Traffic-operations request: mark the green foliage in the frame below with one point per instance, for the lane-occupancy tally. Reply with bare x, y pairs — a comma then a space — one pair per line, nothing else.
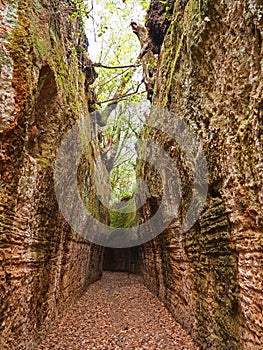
168, 5
81, 8
112, 43
123, 219
124, 127
144, 4
74, 9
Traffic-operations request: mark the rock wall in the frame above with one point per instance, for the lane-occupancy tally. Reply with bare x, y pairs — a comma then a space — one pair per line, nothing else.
210, 75
45, 81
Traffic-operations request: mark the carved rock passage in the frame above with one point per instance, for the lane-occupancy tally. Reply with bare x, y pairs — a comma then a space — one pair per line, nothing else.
44, 266
118, 312
210, 75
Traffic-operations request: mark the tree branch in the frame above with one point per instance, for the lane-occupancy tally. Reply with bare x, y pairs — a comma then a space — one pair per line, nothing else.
119, 94
120, 98
115, 76
116, 67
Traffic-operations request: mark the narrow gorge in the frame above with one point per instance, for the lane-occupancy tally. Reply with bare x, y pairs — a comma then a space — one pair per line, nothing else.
203, 60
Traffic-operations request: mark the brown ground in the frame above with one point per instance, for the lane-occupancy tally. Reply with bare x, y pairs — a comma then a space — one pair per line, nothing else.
118, 312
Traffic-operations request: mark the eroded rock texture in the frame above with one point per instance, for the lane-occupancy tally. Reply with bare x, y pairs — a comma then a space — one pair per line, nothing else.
45, 266
210, 75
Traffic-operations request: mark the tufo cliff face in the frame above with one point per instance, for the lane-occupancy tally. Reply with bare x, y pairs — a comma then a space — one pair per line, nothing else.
210, 75
45, 79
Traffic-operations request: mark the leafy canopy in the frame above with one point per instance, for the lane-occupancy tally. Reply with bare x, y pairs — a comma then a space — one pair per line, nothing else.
112, 43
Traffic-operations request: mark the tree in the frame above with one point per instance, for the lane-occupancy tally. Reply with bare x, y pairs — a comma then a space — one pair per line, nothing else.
116, 52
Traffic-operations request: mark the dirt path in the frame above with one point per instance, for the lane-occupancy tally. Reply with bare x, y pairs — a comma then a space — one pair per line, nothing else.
118, 312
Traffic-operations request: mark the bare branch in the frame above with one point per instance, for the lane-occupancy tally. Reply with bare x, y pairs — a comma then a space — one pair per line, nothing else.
115, 76
122, 97
117, 67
